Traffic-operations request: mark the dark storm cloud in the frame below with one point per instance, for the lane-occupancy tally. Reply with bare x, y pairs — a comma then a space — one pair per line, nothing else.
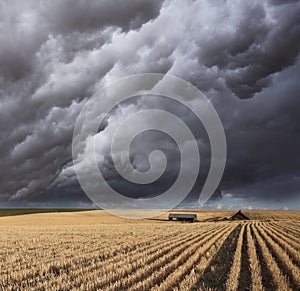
54, 55
264, 42
27, 25
263, 140
37, 119
85, 15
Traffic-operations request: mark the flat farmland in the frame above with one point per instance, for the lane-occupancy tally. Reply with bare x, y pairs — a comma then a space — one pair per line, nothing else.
93, 250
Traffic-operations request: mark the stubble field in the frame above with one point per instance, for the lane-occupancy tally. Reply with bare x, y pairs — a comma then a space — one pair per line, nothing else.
95, 251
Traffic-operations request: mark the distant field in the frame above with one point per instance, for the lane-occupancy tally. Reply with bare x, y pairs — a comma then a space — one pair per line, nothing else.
23, 211
93, 250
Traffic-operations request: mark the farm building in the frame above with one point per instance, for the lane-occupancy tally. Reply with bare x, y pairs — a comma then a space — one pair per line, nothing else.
183, 216
239, 216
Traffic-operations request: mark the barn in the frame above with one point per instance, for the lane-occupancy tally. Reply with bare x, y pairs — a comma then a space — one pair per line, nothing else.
183, 216
239, 216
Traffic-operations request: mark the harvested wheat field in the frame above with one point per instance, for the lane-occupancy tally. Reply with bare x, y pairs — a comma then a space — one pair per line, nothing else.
95, 251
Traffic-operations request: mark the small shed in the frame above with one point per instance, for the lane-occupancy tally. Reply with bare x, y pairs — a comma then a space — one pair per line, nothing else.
191, 217
239, 216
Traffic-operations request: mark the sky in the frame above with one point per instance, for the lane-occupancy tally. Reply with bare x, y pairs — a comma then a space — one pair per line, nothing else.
243, 55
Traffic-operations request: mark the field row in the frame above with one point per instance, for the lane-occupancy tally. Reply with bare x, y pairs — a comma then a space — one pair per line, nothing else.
252, 255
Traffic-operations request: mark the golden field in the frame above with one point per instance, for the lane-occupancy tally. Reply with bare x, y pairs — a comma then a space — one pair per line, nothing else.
93, 250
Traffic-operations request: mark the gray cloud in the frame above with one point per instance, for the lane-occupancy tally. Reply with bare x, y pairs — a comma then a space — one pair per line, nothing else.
264, 41
54, 55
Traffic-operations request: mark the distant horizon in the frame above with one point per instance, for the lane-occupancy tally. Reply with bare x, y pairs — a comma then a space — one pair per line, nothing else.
198, 209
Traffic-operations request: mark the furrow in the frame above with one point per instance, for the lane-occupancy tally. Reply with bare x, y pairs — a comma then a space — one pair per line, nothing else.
273, 278
255, 266
215, 275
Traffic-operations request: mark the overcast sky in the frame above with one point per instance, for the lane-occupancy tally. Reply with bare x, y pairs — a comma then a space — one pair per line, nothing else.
244, 55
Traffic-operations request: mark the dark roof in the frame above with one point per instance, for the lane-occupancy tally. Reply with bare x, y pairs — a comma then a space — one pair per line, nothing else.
182, 215
239, 216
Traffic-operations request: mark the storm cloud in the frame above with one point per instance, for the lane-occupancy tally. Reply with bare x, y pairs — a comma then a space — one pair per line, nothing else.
54, 55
